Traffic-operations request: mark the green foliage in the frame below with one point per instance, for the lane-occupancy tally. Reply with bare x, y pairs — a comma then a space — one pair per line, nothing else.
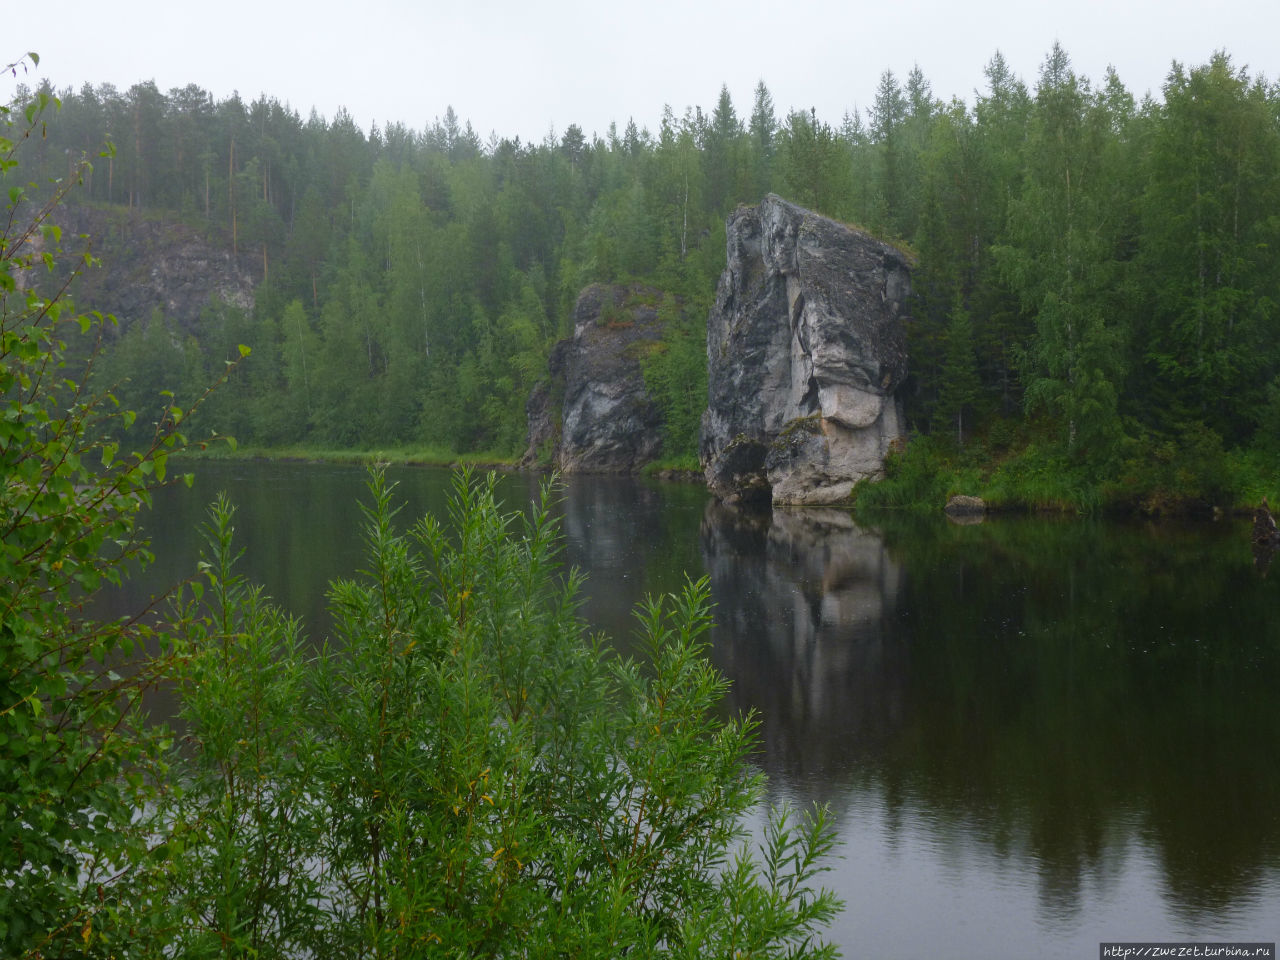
811, 164
145, 371
1044, 476
240, 819
1037, 475
1268, 436
1207, 264
1166, 475
915, 478
1060, 261
1255, 474
461, 770
960, 391
75, 761
676, 376
1117, 262
1151, 476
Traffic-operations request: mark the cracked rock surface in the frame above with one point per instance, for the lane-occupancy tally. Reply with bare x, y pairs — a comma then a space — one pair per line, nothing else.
806, 348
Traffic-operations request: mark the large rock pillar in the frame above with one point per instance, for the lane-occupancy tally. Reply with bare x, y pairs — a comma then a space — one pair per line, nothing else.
805, 349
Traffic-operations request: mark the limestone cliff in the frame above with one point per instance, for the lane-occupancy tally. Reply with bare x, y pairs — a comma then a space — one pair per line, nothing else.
596, 416
806, 348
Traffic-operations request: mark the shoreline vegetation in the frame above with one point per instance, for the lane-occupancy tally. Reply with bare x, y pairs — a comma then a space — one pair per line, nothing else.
678, 469
1146, 479
924, 476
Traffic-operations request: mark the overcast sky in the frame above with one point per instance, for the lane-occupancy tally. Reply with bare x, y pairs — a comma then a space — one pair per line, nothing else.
524, 67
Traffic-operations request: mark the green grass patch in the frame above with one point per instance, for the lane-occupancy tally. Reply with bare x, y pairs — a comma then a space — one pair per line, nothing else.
1044, 479
415, 455
1187, 476
687, 463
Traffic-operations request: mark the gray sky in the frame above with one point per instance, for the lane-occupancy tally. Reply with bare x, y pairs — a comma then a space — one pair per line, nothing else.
524, 67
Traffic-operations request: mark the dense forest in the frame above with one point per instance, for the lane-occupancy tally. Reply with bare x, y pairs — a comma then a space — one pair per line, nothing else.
1095, 298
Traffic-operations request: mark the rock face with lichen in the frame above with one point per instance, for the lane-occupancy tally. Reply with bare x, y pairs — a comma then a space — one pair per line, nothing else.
806, 349
152, 264
596, 415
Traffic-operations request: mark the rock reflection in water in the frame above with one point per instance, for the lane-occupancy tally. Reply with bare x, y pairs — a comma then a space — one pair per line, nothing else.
802, 596
1059, 728
1064, 732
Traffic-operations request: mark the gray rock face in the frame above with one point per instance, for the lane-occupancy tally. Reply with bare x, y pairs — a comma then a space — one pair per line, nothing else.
607, 421
806, 348
153, 264
964, 506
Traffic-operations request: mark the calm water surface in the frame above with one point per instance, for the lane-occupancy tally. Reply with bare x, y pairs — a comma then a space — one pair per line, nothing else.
1033, 735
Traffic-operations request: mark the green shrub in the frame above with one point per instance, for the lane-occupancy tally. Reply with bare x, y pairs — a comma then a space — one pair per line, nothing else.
1189, 470
462, 770
76, 761
1044, 477
916, 478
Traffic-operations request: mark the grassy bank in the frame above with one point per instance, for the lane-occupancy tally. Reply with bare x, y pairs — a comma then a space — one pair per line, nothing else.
674, 468
405, 456
684, 469
1150, 478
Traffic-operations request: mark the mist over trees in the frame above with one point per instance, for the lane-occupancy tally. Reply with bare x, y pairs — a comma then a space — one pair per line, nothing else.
1097, 275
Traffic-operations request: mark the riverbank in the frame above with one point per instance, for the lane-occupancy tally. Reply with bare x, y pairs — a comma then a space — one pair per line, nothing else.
677, 470
1144, 479
402, 456
1150, 481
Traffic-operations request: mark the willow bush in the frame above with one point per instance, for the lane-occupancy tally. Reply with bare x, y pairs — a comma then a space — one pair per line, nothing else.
463, 770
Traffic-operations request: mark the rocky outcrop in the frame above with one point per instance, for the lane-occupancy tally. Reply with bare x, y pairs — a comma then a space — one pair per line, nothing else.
963, 508
152, 264
1266, 537
596, 416
806, 348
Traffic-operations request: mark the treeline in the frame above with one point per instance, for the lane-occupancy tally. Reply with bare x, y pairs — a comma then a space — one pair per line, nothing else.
1097, 275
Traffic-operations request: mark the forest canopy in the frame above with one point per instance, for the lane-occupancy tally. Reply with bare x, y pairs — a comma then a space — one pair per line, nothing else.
1097, 276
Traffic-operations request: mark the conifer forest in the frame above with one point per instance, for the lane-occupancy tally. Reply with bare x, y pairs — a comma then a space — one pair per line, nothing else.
1094, 296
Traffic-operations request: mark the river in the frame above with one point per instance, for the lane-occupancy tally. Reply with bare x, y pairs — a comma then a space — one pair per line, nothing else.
1034, 735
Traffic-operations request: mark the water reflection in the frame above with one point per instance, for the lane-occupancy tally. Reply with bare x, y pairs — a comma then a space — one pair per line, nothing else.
802, 597
1086, 712
633, 539
1034, 735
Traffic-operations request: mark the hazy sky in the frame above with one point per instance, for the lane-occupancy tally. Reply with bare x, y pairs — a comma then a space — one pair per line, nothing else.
523, 67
